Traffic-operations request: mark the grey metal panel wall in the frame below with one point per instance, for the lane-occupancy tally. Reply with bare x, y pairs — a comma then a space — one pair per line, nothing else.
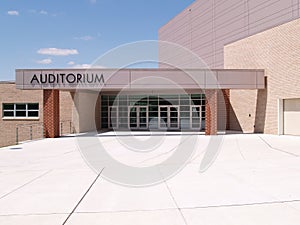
207, 25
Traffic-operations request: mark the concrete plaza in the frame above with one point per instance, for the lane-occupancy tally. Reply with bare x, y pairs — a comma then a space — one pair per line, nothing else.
254, 180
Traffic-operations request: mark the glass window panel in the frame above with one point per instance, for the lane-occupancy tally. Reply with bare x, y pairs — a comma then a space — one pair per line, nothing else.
8, 114
20, 113
153, 108
184, 108
195, 114
21, 106
174, 114
153, 102
165, 102
196, 120
123, 98
123, 103
153, 114
196, 96
185, 123
104, 125
142, 103
184, 102
174, 101
105, 114
104, 107
8, 106
112, 97
33, 106
33, 114
197, 102
169, 96
184, 96
185, 114
163, 122
153, 98
125, 125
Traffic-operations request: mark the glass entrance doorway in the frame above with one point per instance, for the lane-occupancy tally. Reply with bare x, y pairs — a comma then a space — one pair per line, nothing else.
169, 117
138, 117
153, 112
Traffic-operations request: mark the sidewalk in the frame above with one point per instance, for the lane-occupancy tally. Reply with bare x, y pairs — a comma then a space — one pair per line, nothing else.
254, 180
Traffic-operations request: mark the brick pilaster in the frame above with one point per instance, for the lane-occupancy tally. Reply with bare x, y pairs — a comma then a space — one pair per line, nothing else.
211, 115
51, 113
226, 94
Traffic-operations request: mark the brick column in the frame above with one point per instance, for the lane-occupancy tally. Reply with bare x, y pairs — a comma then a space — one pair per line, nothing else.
211, 114
51, 113
226, 94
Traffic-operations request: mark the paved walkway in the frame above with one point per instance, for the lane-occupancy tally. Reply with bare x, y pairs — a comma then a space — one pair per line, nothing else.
254, 180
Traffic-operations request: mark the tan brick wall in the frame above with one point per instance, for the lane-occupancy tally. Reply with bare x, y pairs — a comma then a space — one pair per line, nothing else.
222, 111
278, 52
9, 94
66, 112
206, 26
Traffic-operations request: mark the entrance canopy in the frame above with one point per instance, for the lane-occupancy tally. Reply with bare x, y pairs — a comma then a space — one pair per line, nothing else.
139, 79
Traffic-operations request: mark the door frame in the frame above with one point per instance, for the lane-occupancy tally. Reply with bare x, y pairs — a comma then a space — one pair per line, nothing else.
138, 110
169, 117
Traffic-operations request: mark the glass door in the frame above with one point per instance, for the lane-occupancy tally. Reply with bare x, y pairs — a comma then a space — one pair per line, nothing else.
138, 117
169, 117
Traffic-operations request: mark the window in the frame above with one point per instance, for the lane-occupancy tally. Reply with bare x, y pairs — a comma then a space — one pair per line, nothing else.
20, 110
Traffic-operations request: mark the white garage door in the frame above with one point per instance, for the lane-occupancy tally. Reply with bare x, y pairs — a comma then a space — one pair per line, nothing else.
292, 117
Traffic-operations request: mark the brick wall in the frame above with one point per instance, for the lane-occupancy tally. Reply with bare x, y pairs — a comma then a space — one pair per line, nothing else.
278, 52
206, 26
66, 112
51, 113
226, 96
222, 109
211, 124
9, 94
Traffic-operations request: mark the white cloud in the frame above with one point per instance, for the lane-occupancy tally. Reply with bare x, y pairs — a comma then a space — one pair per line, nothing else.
82, 66
45, 61
13, 13
43, 12
57, 51
71, 63
88, 66
85, 38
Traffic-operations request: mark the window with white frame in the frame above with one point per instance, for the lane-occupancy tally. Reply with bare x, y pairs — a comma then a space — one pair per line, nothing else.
20, 110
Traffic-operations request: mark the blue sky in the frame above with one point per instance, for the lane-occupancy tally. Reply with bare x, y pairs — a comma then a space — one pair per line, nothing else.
68, 33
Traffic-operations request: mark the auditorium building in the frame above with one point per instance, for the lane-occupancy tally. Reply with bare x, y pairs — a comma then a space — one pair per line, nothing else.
250, 85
